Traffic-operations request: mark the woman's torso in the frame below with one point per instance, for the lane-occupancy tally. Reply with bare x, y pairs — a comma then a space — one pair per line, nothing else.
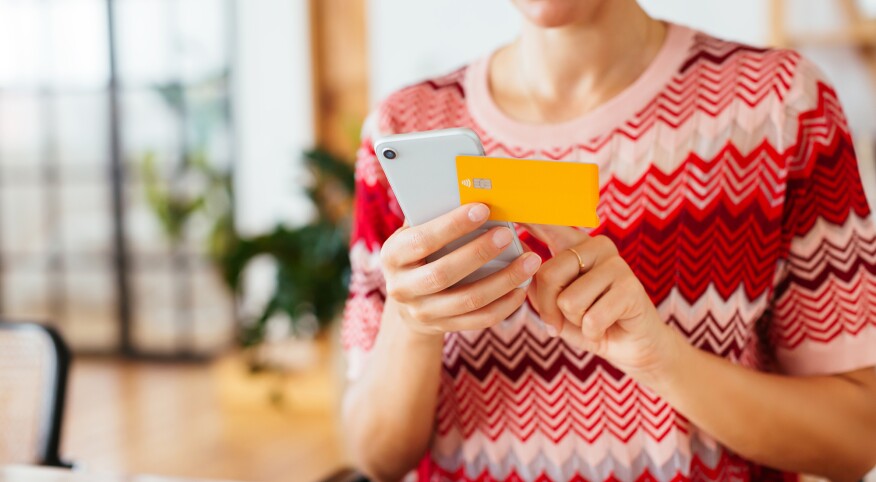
692, 176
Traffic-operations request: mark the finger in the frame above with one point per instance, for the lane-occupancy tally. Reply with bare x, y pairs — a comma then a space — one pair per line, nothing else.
572, 335
557, 238
595, 250
453, 267
579, 296
490, 315
561, 270
552, 279
532, 293
412, 245
474, 296
604, 313
532, 288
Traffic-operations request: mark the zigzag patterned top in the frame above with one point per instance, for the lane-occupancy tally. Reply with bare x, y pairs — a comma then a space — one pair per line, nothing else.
730, 185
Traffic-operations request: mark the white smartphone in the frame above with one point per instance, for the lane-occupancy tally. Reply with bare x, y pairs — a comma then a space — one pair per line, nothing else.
421, 168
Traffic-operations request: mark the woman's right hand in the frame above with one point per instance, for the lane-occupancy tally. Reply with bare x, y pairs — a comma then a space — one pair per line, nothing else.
423, 293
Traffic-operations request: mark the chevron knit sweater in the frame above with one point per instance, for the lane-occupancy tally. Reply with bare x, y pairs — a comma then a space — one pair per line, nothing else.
729, 184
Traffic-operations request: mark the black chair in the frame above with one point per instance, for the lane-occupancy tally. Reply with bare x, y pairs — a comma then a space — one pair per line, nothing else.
34, 365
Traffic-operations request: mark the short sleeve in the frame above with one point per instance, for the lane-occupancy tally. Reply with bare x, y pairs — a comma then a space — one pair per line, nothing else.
376, 216
824, 299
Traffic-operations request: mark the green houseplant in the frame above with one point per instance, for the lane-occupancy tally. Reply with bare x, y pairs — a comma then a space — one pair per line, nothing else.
312, 262
311, 259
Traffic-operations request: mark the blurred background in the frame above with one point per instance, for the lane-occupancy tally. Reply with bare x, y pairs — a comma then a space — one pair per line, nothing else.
175, 180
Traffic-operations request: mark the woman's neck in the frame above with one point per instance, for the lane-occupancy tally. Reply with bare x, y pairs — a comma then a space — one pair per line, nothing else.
552, 75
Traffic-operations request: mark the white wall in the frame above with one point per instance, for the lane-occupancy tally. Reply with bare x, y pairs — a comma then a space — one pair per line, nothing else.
273, 112
412, 40
742, 20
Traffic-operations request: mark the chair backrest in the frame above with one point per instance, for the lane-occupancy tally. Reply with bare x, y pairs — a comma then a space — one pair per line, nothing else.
34, 363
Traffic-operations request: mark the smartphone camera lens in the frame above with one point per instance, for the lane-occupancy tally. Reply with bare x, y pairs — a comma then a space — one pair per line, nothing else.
390, 153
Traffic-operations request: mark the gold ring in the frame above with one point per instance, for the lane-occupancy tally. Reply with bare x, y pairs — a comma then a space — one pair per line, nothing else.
580, 261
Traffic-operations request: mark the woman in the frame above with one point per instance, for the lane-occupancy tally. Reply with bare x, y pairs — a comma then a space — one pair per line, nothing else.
719, 325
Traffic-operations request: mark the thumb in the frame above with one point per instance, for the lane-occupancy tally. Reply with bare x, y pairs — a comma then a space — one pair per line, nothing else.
557, 238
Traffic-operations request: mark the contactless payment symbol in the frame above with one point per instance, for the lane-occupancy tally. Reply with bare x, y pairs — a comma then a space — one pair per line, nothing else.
478, 183
483, 184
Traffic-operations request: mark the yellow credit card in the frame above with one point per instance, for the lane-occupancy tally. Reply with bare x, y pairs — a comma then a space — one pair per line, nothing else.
528, 191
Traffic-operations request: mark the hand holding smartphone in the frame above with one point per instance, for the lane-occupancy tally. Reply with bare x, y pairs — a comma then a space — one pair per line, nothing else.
427, 297
421, 168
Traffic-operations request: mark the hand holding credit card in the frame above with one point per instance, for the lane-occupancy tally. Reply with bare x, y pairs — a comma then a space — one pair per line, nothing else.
530, 191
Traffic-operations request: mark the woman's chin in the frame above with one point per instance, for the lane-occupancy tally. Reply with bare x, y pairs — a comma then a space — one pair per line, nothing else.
558, 13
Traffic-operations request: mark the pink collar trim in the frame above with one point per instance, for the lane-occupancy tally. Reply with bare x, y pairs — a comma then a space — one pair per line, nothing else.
604, 118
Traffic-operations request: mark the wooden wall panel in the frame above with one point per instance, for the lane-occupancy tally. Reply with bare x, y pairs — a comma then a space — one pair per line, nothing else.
340, 72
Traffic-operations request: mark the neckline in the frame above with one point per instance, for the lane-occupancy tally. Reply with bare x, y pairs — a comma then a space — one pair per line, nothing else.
487, 114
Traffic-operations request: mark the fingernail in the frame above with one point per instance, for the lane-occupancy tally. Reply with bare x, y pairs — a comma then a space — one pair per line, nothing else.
551, 330
502, 237
531, 263
478, 213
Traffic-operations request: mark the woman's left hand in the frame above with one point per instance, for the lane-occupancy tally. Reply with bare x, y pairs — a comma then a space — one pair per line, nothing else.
599, 305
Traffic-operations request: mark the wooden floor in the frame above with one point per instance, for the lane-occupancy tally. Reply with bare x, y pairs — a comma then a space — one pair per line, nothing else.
202, 421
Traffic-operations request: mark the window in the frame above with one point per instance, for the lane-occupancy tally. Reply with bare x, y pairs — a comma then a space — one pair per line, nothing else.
64, 216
